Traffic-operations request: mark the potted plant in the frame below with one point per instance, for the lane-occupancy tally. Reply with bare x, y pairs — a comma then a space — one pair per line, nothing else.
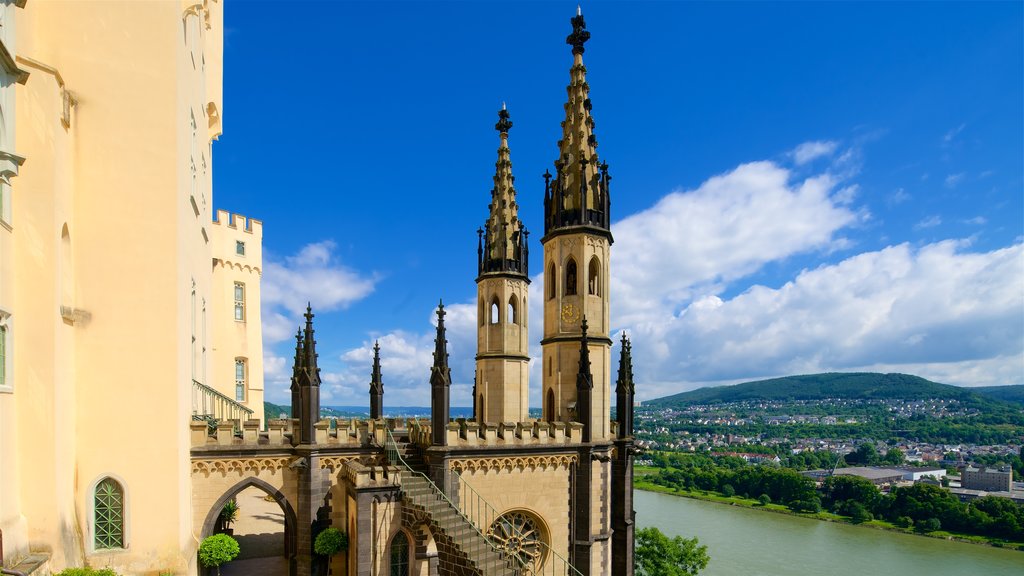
330, 542
216, 550
228, 515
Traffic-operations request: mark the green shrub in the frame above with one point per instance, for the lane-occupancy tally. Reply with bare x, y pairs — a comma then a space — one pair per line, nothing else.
764, 499
904, 522
87, 572
218, 549
330, 542
728, 491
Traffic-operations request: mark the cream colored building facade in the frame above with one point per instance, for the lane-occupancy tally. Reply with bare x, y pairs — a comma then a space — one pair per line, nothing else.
114, 321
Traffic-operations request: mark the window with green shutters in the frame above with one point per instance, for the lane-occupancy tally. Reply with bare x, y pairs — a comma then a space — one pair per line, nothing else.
400, 555
109, 520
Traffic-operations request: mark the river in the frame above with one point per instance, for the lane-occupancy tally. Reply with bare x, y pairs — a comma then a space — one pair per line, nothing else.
745, 542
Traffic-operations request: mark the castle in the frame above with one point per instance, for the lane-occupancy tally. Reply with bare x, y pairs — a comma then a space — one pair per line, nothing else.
498, 493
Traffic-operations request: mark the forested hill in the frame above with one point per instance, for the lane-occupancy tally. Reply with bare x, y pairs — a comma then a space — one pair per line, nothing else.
1014, 394
855, 385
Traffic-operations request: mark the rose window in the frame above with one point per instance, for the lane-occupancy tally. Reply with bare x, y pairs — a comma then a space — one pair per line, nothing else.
519, 534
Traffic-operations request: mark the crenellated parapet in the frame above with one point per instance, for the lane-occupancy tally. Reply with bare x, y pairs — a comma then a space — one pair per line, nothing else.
468, 433
283, 432
360, 475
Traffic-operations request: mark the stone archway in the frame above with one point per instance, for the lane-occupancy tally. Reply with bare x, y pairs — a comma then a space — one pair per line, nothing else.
290, 519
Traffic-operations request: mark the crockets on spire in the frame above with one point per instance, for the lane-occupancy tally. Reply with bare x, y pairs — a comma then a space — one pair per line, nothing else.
624, 383
440, 374
624, 390
376, 386
578, 195
501, 244
306, 371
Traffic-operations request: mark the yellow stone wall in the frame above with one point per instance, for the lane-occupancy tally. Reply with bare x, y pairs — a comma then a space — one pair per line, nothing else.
538, 484
109, 237
237, 339
503, 363
563, 315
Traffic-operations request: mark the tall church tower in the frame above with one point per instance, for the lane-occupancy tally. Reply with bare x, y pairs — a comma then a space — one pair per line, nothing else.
502, 361
576, 241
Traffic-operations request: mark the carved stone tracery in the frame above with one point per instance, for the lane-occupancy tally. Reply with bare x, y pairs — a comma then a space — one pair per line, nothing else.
514, 462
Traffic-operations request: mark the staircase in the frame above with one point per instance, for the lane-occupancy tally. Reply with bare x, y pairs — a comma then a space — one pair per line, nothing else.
468, 549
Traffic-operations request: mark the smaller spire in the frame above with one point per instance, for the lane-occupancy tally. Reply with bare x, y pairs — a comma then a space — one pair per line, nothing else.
584, 377
440, 382
624, 383
440, 343
375, 379
376, 386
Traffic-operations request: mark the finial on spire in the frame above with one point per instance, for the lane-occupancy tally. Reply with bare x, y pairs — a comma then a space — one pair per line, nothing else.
504, 124
502, 104
579, 34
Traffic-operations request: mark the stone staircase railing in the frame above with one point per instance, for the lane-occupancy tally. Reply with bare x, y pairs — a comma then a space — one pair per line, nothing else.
209, 404
468, 543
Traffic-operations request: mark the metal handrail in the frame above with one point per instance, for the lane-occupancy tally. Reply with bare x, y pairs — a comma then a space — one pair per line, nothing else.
479, 505
395, 457
233, 409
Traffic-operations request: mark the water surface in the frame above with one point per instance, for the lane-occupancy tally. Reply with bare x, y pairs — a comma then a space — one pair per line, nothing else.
745, 542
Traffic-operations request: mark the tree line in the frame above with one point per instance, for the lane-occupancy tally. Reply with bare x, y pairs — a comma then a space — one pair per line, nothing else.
923, 507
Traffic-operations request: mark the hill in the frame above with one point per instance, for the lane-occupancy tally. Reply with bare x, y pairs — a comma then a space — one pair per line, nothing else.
855, 385
1013, 394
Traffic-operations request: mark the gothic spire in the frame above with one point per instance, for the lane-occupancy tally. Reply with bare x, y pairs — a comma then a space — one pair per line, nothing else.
624, 390
504, 236
307, 379
309, 354
585, 386
579, 193
624, 383
440, 371
440, 383
376, 386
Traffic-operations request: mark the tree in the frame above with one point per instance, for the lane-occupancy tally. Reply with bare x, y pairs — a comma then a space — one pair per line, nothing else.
659, 555
218, 549
728, 491
865, 454
894, 456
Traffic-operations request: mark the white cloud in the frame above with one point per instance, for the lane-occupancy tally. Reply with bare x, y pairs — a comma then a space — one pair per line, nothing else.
977, 221
949, 136
312, 275
953, 179
899, 196
937, 311
694, 242
928, 222
809, 151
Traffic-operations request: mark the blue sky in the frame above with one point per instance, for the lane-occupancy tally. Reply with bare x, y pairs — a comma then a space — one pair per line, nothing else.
798, 187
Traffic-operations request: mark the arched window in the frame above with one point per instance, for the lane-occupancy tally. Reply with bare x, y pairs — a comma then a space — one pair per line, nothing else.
550, 281
480, 312
399, 561
108, 519
570, 277
512, 317
594, 277
494, 310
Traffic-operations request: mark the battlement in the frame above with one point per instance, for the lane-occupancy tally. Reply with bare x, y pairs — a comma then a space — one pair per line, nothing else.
466, 433
360, 475
283, 433
238, 222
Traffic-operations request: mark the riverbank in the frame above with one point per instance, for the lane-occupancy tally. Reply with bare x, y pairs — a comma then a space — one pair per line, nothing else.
714, 497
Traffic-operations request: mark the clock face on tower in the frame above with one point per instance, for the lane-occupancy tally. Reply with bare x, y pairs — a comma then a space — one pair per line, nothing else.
570, 314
